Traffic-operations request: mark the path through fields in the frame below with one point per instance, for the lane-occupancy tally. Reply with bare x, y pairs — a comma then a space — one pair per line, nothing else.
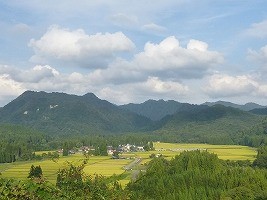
131, 165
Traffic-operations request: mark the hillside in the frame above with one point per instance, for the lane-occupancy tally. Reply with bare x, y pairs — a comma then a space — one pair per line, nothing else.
217, 124
156, 110
59, 113
245, 107
259, 111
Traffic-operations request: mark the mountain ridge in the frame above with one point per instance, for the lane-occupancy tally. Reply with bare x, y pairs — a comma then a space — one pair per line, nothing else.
246, 107
64, 113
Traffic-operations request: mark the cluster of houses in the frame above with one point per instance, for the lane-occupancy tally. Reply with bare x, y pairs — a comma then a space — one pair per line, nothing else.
124, 148
110, 149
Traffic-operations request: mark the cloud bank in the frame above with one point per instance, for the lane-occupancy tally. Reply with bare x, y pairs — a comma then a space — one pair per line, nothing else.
79, 48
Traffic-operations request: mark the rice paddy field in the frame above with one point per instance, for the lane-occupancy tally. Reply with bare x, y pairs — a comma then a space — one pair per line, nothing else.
106, 166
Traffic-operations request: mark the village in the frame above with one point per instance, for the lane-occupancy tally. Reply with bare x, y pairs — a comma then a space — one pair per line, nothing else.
108, 150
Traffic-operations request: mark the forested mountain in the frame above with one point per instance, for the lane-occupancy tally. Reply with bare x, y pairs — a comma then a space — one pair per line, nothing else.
245, 107
217, 124
156, 110
259, 111
59, 113
19, 143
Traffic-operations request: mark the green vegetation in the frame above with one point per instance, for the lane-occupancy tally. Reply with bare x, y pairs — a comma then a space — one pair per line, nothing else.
261, 159
19, 143
198, 175
35, 172
107, 167
190, 175
64, 114
88, 119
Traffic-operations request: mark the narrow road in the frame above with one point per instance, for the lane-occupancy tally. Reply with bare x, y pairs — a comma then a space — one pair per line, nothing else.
131, 165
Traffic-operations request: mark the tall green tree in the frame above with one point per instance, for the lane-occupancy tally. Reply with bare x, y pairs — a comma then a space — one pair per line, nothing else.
261, 159
35, 172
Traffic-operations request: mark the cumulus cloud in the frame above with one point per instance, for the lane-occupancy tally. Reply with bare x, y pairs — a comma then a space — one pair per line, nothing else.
9, 87
167, 60
34, 75
157, 86
78, 47
169, 55
222, 85
258, 30
153, 87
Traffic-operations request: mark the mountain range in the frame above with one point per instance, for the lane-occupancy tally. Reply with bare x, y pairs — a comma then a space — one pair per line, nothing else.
59, 113
246, 107
65, 114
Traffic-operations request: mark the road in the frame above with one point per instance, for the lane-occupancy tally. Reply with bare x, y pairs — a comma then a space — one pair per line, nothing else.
131, 165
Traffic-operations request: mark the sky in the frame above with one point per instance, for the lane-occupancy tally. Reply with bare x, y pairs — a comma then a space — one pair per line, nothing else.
131, 51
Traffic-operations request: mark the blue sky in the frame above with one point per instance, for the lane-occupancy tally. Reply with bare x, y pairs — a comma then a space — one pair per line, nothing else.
131, 51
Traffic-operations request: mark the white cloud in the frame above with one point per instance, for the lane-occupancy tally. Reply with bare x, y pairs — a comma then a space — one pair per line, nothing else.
197, 45
166, 60
258, 56
152, 27
258, 30
9, 88
78, 47
170, 59
222, 85
153, 87
157, 86
34, 75
124, 20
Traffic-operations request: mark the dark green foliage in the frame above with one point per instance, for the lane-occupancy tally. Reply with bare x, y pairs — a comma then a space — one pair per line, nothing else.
245, 107
198, 175
59, 113
35, 172
116, 155
101, 149
261, 159
72, 181
27, 190
65, 117
213, 125
156, 110
149, 146
65, 149
19, 143
259, 111
70, 177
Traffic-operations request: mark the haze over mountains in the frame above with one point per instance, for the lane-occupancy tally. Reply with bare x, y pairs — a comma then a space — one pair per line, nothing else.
60, 113
246, 107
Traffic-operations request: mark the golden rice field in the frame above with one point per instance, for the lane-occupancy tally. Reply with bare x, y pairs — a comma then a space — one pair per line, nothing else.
106, 166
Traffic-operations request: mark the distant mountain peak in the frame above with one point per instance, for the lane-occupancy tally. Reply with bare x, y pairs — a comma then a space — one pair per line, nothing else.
90, 95
246, 107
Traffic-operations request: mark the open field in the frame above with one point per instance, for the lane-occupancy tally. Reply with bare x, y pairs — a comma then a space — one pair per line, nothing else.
96, 165
106, 166
231, 152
